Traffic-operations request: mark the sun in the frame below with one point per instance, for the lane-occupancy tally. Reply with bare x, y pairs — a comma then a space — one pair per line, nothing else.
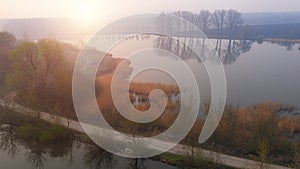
86, 13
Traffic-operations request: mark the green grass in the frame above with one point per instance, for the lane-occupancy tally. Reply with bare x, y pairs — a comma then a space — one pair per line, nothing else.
43, 134
33, 129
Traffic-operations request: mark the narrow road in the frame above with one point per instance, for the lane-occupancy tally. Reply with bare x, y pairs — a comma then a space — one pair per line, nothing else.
179, 149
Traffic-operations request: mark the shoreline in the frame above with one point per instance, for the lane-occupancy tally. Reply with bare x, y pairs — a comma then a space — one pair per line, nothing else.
274, 40
179, 150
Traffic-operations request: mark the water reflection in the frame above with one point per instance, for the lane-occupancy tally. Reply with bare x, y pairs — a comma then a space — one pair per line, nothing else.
289, 45
234, 50
36, 154
64, 155
95, 158
179, 47
8, 143
228, 51
137, 164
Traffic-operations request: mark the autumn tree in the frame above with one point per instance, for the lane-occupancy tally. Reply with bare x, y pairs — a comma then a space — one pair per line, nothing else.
7, 42
24, 72
51, 54
35, 69
25, 66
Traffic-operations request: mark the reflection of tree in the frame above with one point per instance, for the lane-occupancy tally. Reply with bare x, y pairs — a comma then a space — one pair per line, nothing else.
63, 149
234, 50
186, 29
288, 45
234, 22
218, 19
137, 163
8, 143
36, 156
180, 48
96, 157
228, 55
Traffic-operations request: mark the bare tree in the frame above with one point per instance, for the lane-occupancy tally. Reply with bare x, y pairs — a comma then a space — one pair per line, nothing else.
218, 19
234, 21
204, 20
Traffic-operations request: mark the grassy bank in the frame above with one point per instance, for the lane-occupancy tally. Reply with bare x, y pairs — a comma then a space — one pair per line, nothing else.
35, 130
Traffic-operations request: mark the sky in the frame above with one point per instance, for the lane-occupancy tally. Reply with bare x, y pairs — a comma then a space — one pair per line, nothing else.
103, 10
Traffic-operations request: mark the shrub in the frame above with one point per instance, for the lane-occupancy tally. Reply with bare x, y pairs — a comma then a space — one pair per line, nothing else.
46, 137
28, 131
43, 134
53, 134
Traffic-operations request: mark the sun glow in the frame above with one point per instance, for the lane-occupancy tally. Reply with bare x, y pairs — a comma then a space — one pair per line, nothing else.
87, 13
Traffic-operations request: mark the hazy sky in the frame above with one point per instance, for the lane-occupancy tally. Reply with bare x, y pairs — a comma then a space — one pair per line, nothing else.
108, 9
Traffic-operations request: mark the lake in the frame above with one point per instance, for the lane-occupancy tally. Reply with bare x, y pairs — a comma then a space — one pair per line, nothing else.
255, 72
268, 72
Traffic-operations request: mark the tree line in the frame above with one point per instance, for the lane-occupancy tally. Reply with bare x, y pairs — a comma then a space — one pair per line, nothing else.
231, 20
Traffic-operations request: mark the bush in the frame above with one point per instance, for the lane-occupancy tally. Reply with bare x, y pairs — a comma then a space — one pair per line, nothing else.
28, 131
46, 137
53, 134
43, 134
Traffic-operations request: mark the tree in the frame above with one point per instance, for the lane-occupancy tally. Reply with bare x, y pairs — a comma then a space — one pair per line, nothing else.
25, 66
63, 89
7, 42
52, 54
204, 20
7, 39
218, 19
35, 69
25, 72
234, 20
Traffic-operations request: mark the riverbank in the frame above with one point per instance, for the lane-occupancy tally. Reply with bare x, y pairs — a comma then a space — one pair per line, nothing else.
272, 40
275, 40
37, 131
219, 158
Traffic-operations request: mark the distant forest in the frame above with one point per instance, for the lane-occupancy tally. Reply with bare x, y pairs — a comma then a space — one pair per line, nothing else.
231, 24
251, 26
261, 32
